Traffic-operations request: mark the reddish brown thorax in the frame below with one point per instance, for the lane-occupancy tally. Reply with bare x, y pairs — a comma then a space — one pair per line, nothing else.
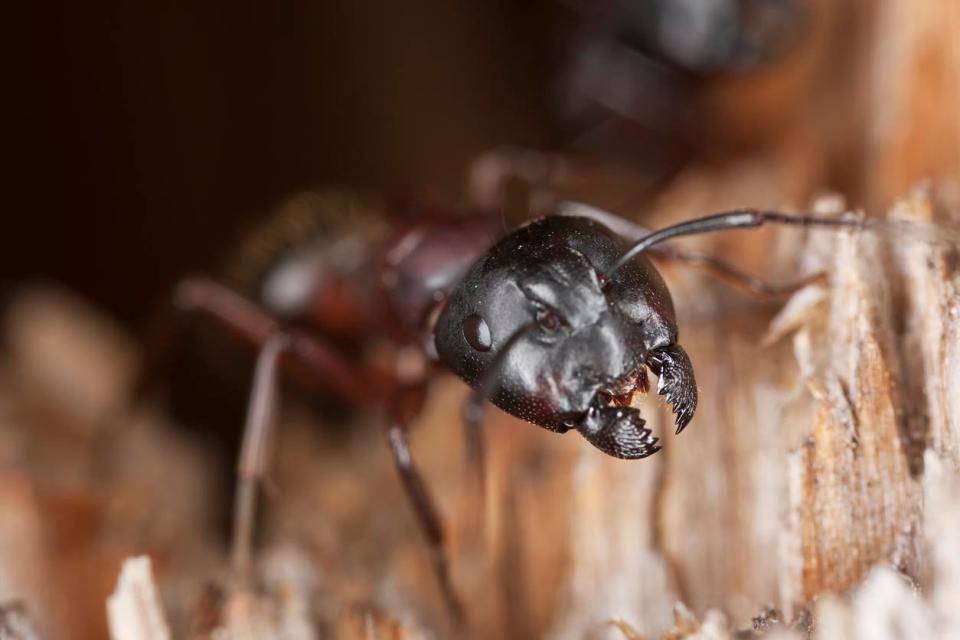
381, 281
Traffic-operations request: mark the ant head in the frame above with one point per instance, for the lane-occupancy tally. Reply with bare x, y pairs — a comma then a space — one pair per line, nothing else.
578, 341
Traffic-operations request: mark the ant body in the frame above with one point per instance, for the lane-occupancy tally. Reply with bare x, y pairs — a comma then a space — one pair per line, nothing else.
636, 78
555, 322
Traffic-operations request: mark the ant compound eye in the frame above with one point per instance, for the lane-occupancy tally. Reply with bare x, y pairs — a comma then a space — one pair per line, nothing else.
477, 333
548, 320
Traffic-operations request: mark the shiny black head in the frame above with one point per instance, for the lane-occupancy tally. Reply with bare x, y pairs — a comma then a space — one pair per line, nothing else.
579, 343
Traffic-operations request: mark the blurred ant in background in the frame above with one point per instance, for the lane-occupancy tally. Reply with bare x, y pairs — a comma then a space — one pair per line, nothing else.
632, 91
632, 83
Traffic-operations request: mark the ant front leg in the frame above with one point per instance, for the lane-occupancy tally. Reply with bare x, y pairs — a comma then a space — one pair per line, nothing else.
475, 459
475, 443
405, 405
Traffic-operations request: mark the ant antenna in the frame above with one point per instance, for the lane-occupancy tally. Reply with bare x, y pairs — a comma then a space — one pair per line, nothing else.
752, 218
736, 219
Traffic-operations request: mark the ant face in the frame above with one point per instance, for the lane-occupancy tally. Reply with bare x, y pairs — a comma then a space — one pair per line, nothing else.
576, 342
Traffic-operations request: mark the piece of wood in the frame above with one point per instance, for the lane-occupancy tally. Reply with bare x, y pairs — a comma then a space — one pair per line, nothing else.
133, 610
16, 623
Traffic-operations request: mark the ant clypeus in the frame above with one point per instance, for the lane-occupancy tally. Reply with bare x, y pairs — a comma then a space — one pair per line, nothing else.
555, 322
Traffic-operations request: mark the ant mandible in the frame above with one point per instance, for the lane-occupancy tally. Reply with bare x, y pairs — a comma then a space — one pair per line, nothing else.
556, 322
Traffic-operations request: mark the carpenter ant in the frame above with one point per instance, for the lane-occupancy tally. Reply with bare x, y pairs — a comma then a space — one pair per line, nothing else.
556, 322
640, 70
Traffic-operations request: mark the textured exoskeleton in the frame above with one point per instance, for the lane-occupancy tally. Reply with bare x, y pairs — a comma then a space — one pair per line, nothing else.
567, 345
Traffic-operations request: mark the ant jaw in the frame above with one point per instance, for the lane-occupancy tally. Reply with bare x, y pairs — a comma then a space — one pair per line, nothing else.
675, 382
618, 432
615, 427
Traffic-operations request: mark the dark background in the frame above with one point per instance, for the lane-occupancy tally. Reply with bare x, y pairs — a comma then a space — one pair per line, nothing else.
142, 137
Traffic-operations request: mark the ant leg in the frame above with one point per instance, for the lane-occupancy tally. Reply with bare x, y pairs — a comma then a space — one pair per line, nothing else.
733, 277
399, 415
278, 349
475, 491
312, 362
499, 178
523, 182
199, 297
473, 412
253, 452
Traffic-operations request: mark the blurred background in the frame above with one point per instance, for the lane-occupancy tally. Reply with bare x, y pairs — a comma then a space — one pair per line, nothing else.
144, 136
